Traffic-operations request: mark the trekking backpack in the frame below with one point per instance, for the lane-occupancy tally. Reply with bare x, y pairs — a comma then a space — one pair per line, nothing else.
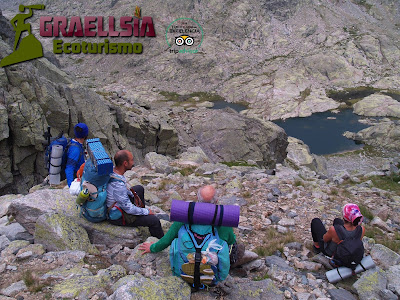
97, 174
65, 143
199, 256
350, 249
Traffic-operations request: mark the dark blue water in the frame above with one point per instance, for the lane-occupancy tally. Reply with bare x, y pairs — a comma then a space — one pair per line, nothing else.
324, 136
220, 104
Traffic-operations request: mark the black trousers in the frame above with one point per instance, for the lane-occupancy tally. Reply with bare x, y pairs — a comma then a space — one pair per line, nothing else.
318, 230
150, 221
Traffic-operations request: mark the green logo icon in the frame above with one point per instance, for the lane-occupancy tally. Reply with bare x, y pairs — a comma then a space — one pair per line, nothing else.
29, 47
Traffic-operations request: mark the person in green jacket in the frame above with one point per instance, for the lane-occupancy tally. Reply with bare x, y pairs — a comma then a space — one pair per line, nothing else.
205, 194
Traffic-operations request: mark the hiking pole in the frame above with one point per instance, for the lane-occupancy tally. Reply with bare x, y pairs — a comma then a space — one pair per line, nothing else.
47, 135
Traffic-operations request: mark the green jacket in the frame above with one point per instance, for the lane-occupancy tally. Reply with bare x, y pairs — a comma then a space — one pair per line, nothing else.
225, 233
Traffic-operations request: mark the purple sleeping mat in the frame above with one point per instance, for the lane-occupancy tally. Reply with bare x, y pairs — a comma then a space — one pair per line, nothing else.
205, 213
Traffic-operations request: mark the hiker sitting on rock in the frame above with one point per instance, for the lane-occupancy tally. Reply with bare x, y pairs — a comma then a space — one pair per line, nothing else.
205, 194
76, 153
327, 241
122, 210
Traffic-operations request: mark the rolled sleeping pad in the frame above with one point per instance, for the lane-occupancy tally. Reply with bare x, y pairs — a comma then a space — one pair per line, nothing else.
338, 274
55, 164
205, 213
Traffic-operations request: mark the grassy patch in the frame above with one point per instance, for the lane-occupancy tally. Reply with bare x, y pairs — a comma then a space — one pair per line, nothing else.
381, 237
79, 61
32, 282
104, 94
334, 192
351, 93
298, 182
366, 212
246, 194
237, 164
386, 183
187, 171
171, 96
259, 278
273, 240
365, 4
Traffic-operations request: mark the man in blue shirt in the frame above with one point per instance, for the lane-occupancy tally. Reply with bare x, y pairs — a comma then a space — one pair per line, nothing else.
76, 153
121, 210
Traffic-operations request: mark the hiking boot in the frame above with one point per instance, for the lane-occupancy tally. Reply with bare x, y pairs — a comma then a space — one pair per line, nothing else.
240, 249
204, 269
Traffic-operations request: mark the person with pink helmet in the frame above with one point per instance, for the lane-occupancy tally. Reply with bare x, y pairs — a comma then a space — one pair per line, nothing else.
327, 241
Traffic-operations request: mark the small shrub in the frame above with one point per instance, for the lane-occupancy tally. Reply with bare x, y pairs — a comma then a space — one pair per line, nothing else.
187, 171
366, 212
334, 192
259, 278
246, 194
298, 182
27, 277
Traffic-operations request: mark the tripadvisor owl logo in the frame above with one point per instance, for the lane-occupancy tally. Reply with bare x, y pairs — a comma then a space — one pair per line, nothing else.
26, 48
184, 35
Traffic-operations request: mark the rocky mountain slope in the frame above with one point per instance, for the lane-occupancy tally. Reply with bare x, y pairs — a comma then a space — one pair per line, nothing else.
74, 259
37, 94
281, 58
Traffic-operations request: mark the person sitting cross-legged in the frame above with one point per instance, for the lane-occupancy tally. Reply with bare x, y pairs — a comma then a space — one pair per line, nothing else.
121, 210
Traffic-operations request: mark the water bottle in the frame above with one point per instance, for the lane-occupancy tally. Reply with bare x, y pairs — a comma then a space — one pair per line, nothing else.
82, 197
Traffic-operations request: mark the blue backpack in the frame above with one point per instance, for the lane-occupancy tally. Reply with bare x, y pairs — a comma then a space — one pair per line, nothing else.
199, 256
65, 143
95, 208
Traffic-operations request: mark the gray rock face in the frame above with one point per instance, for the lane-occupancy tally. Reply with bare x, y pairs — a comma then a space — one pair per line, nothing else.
278, 262
299, 155
29, 208
239, 288
170, 287
225, 136
15, 231
4, 242
384, 134
157, 162
370, 284
341, 294
377, 105
384, 256
14, 289
58, 232
393, 276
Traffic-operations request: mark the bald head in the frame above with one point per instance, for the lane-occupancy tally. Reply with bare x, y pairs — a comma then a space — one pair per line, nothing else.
121, 156
206, 194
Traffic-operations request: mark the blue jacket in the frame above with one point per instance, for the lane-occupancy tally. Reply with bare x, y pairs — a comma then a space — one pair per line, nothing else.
75, 158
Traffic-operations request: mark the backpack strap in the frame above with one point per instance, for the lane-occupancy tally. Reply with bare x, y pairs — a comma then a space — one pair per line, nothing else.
197, 257
190, 214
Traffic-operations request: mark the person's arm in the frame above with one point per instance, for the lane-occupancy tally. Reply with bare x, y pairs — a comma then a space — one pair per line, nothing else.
363, 232
167, 239
329, 235
72, 161
120, 195
226, 234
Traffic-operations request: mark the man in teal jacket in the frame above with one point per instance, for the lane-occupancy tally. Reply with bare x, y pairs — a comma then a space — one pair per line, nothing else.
205, 194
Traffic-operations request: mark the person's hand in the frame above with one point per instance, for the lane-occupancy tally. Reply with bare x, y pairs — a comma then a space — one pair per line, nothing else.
145, 247
150, 212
